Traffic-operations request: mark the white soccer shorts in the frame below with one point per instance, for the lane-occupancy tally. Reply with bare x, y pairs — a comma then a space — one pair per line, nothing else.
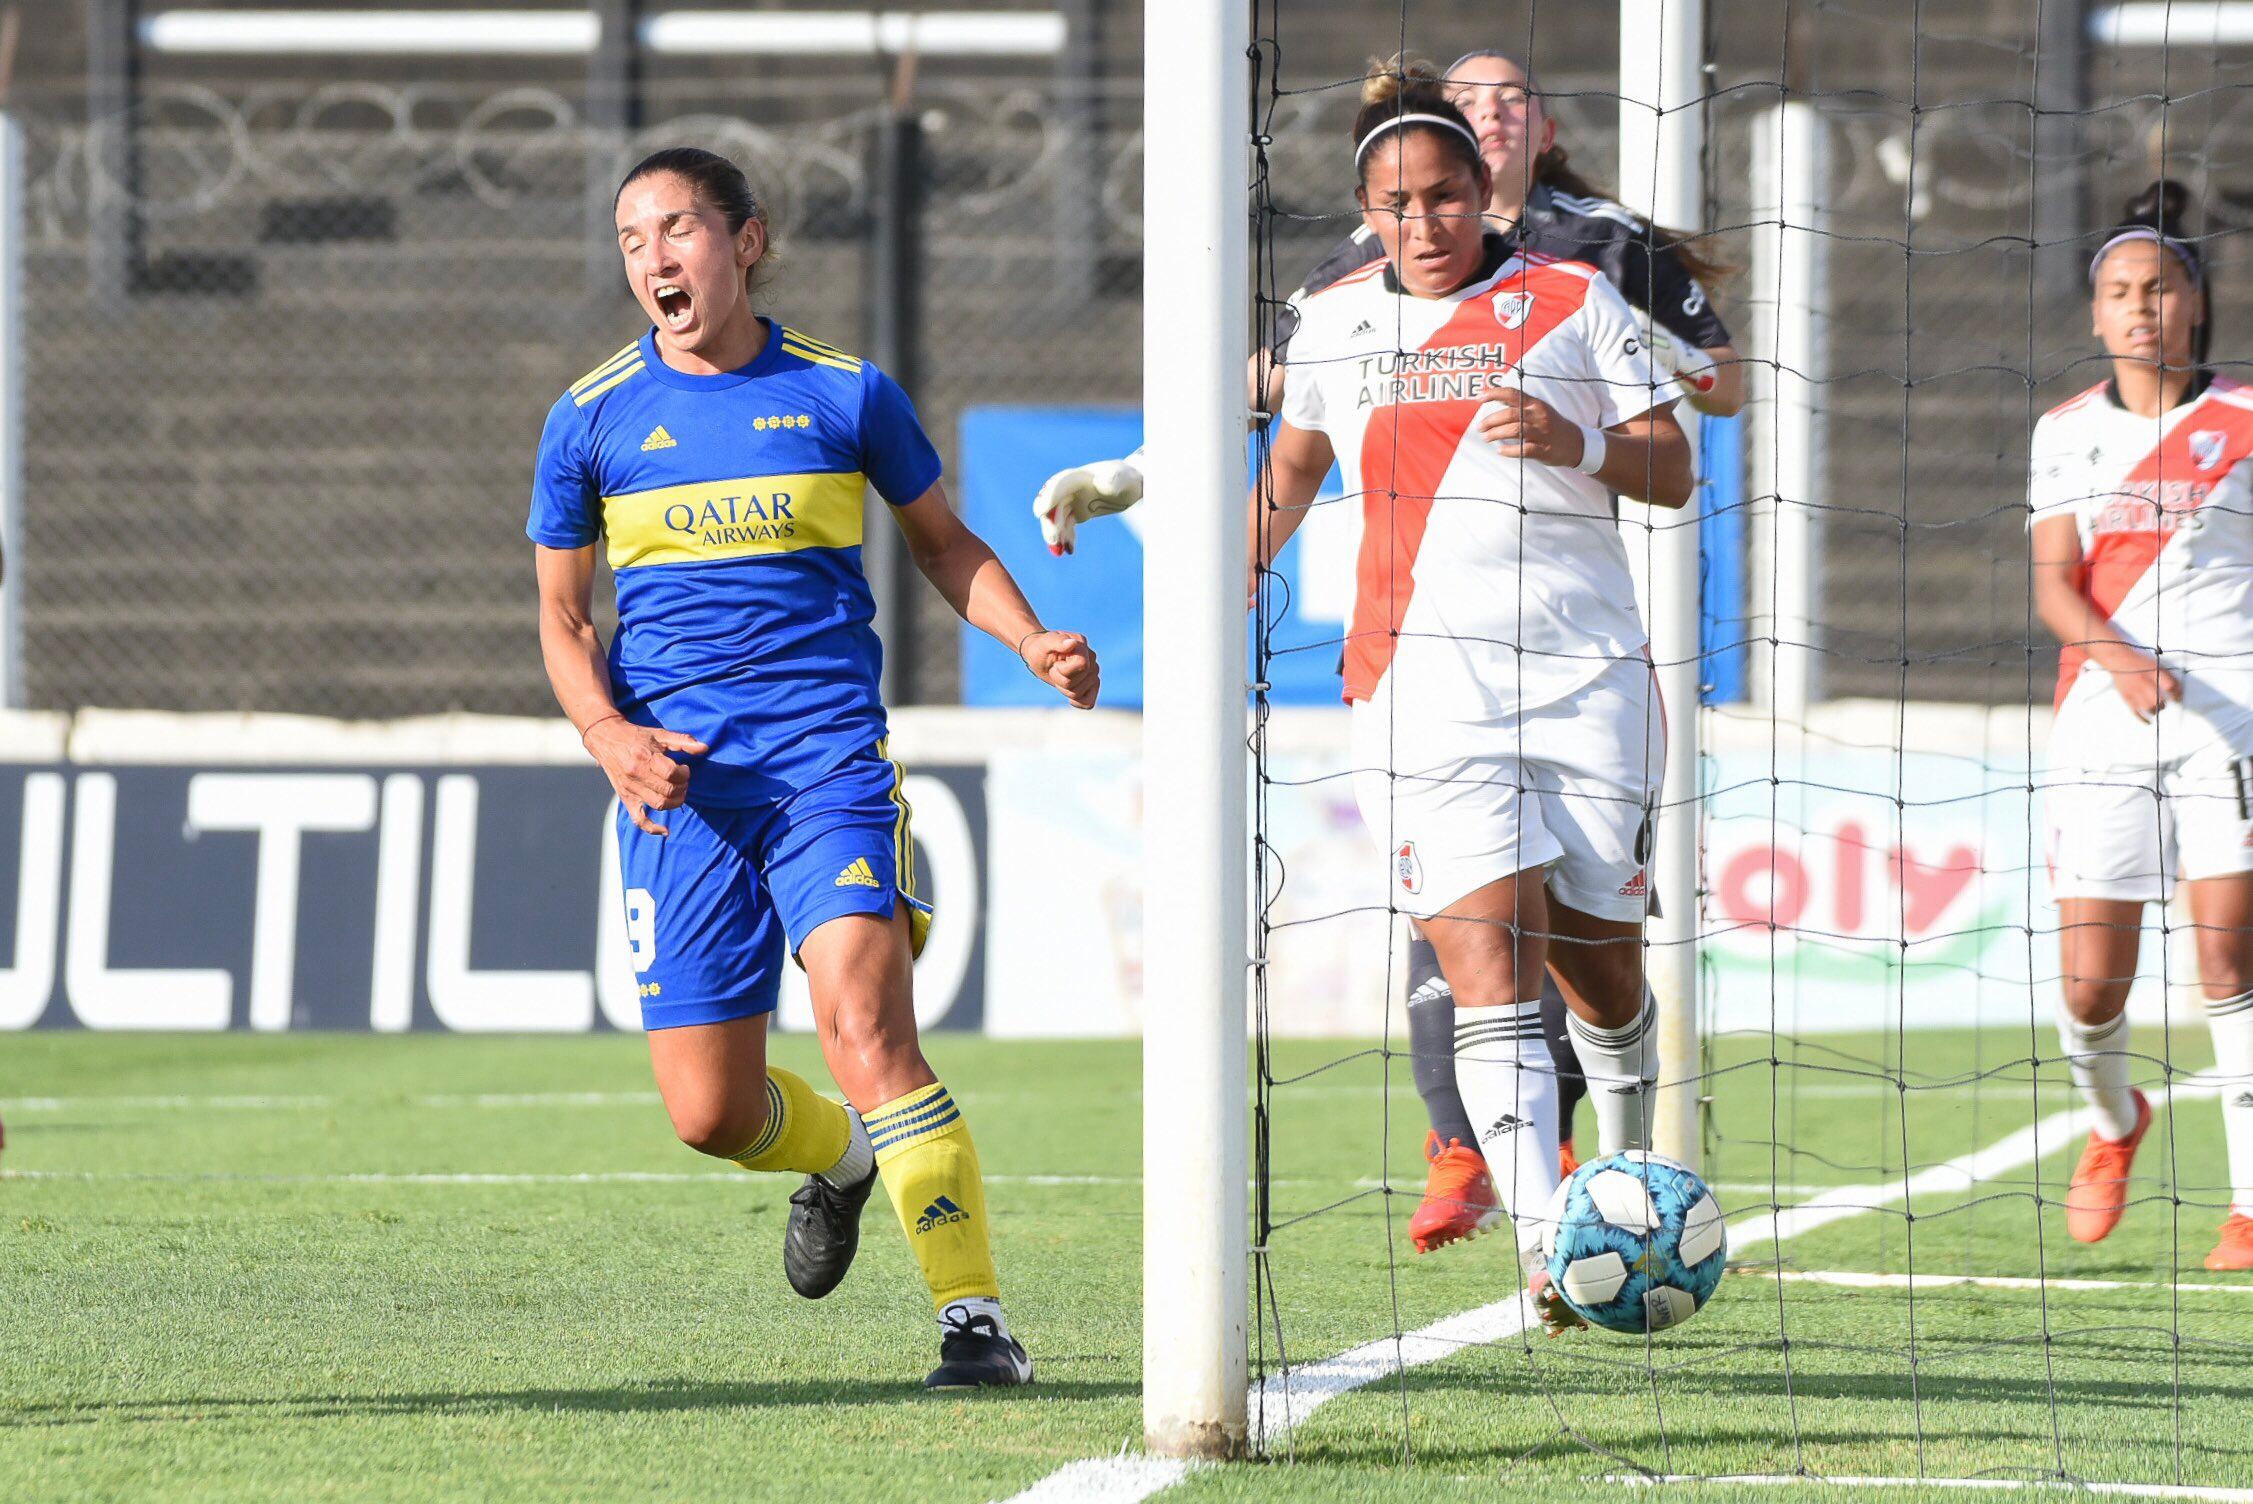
1569, 787
2132, 805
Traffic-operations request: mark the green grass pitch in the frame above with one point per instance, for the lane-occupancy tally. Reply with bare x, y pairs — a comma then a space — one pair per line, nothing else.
264, 1268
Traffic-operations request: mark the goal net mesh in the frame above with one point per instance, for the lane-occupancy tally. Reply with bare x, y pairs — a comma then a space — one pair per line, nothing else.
1886, 1112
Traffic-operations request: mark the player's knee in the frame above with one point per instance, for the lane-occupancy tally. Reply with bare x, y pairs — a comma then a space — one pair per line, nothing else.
873, 1050
2225, 962
1608, 977
2095, 1000
718, 1125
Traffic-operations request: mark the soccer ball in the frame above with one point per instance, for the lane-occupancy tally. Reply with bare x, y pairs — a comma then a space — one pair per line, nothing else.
1634, 1242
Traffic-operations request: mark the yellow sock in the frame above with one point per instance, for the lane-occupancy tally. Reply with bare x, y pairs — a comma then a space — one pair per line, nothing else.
930, 1171
805, 1131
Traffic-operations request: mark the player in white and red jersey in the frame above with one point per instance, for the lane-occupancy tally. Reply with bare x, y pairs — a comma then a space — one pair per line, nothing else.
1484, 404
1667, 277
2142, 525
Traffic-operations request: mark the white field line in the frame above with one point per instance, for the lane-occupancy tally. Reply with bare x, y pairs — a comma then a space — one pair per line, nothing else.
1124, 1479
1293, 1395
474, 1177
303, 1103
1854, 1279
674, 1177
2073, 1485
1962, 1174
249, 1102
1285, 1399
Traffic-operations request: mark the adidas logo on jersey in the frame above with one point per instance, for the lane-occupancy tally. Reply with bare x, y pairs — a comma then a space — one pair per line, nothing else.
658, 439
858, 875
1364, 327
1637, 886
940, 1213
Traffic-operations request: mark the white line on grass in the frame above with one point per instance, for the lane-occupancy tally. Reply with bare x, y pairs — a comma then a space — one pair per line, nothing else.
1294, 1394
271, 1103
1124, 1479
138, 1104
1962, 1174
1286, 1398
1855, 1279
2075, 1485
589, 1177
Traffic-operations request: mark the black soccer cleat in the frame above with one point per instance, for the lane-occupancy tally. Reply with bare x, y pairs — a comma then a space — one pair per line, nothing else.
973, 1354
823, 1234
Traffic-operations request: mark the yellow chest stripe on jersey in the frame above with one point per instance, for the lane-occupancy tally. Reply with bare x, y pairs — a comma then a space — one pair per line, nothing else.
733, 519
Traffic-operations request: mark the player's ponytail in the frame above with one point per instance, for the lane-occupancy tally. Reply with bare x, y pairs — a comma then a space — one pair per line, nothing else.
2161, 212
718, 182
1401, 94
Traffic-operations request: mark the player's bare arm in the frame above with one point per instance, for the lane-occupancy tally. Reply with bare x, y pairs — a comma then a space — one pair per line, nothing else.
638, 760
1297, 459
963, 569
2065, 608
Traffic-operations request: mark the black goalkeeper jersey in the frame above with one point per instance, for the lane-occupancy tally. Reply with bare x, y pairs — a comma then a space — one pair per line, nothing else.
1613, 239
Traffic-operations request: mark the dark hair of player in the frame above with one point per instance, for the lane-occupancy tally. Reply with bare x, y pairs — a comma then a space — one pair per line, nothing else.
1394, 91
1553, 169
718, 182
2161, 212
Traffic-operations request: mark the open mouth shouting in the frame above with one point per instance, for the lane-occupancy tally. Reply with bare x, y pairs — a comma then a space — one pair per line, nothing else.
675, 308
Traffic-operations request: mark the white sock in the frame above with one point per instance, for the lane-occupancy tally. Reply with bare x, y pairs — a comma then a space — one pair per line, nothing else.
2097, 1057
2231, 1020
975, 1305
1621, 1066
858, 1160
1509, 1088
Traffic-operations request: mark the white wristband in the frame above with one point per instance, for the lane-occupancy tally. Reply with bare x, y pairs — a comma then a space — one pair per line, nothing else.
1592, 447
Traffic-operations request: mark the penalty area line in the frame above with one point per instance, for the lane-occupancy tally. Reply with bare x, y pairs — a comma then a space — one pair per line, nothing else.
1298, 1392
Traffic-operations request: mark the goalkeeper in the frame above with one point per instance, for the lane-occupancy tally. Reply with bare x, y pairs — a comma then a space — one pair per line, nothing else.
1668, 281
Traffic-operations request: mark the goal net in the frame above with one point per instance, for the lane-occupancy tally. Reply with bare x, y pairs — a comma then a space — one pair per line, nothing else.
1893, 210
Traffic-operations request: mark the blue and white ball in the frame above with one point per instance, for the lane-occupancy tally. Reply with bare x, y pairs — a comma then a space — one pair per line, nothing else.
1635, 1242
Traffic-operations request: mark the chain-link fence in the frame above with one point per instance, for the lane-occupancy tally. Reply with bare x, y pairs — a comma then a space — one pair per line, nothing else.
289, 338
288, 348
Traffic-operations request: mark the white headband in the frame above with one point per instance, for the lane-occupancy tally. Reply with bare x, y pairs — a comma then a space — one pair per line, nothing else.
2181, 252
1399, 121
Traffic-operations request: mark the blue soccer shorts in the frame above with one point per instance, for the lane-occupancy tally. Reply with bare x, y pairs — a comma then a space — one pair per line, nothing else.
714, 907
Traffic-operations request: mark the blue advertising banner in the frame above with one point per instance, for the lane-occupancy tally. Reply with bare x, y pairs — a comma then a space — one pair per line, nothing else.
1007, 452
473, 898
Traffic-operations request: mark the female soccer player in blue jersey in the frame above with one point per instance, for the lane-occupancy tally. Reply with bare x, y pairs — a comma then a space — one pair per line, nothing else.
724, 457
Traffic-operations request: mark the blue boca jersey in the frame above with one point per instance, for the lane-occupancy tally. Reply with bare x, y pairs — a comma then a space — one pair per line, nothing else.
732, 505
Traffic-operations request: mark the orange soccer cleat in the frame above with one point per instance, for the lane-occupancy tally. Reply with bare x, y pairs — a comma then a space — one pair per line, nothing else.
1567, 1161
1459, 1200
2235, 1250
2099, 1193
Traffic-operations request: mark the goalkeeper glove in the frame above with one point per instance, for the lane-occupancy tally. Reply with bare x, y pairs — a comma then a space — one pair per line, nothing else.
1071, 497
1678, 358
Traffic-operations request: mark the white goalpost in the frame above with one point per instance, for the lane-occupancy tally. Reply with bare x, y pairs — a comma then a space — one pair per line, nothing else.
1661, 151
1196, 320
